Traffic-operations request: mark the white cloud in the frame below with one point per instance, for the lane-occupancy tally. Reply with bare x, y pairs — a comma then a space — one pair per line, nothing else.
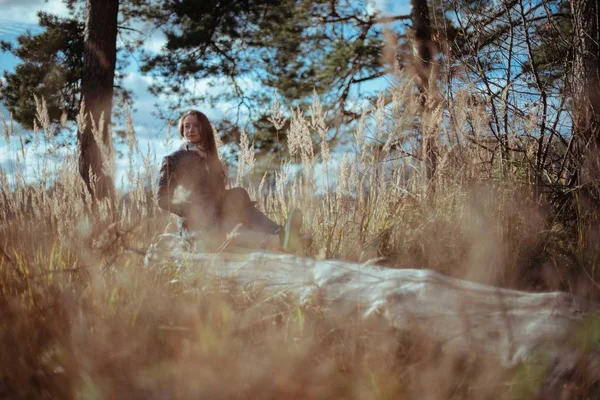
10, 29
24, 11
153, 37
155, 42
388, 7
144, 104
146, 125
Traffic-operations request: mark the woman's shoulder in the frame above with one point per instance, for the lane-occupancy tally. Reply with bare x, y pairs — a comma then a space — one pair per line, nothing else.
176, 155
183, 161
177, 152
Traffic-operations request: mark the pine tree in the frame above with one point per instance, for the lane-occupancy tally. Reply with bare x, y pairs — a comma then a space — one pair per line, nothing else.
288, 47
51, 67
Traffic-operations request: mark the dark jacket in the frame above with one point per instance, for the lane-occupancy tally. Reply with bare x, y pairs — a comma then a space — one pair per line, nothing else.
189, 188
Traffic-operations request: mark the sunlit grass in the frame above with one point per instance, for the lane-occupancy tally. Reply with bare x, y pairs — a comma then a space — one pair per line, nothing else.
83, 318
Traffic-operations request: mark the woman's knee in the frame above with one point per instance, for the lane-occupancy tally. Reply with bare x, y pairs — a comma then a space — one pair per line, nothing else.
237, 196
235, 205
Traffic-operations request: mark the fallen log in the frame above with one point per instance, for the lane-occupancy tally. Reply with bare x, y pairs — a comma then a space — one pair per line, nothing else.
504, 325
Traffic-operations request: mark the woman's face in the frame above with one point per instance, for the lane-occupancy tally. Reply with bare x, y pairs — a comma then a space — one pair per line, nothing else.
192, 129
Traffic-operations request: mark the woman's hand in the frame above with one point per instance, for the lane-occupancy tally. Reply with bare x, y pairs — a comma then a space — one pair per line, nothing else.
200, 151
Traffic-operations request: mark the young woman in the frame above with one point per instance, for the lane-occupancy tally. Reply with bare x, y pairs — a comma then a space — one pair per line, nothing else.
192, 186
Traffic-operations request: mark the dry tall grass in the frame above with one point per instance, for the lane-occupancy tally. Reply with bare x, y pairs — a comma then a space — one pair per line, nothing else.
82, 318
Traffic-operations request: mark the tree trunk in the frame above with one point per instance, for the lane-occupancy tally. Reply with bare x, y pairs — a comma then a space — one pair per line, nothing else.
424, 50
100, 56
586, 80
585, 171
503, 326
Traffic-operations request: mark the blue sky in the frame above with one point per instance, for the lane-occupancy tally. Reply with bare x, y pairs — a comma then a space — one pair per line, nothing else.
18, 16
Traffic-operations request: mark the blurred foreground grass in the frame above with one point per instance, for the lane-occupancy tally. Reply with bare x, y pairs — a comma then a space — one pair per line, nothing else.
81, 317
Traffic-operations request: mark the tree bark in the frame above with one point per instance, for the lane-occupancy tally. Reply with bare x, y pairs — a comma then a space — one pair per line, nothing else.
421, 26
505, 326
586, 80
100, 56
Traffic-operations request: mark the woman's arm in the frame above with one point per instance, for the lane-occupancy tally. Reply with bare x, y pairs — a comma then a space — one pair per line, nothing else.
166, 189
